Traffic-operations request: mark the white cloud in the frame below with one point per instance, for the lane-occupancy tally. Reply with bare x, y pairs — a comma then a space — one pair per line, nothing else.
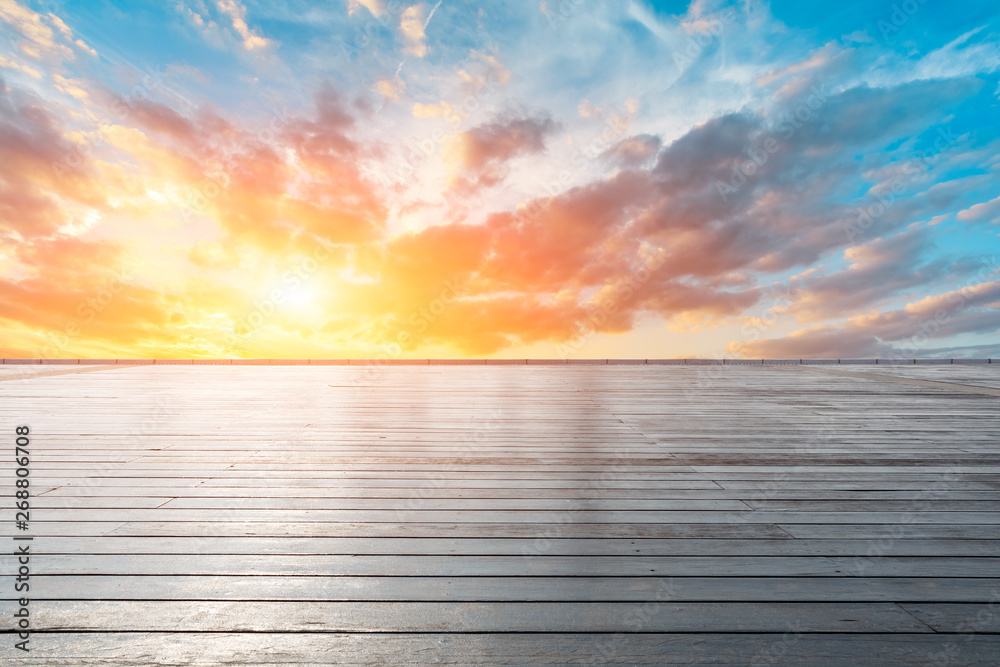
989, 210
38, 40
237, 14
412, 25
376, 7
959, 57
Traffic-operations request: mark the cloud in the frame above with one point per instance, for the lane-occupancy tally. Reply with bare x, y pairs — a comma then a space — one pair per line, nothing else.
41, 170
27, 69
963, 352
878, 269
324, 195
104, 310
237, 14
213, 256
819, 342
431, 110
634, 151
209, 29
788, 211
63, 28
412, 24
673, 217
183, 71
38, 40
817, 59
65, 256
279, 187
491, 72
962, 56
376, 7
974, 308
77, 295
989, 210
390, 89
588, 110
197, 133
570, 255
484, 151
67, 33
72, 87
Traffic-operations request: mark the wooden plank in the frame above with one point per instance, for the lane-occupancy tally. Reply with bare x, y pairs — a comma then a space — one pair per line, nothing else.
900, 379
529, 565
791, 647
915, 502
423, 484
67, 496
416, 503
14, 376
447, 530
578, 514
965, 618
500, 501
511, 589
336, 617
892, 531
484, 546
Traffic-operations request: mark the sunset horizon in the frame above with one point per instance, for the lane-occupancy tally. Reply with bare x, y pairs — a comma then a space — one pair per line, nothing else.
403, 332
385, 180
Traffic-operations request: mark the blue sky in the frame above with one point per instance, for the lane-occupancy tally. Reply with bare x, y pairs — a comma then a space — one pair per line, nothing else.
626, 178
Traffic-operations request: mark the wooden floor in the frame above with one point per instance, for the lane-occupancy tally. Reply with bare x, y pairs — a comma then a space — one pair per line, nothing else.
508, 515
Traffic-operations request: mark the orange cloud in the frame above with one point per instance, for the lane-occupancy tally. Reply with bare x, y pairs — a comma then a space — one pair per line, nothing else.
41, 170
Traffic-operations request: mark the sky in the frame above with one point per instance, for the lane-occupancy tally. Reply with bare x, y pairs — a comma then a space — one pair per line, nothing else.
554, 179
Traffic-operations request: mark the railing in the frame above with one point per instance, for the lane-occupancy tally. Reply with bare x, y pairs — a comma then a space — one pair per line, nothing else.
500, 362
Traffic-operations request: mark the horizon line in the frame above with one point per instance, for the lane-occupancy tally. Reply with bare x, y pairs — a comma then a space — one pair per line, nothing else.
486, 361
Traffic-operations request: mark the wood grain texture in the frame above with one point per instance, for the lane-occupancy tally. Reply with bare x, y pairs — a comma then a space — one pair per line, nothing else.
606, 514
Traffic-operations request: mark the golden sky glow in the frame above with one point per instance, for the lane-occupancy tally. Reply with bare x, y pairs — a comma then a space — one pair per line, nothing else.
369, 179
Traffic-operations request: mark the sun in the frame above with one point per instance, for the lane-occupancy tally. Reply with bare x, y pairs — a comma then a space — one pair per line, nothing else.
302, 298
